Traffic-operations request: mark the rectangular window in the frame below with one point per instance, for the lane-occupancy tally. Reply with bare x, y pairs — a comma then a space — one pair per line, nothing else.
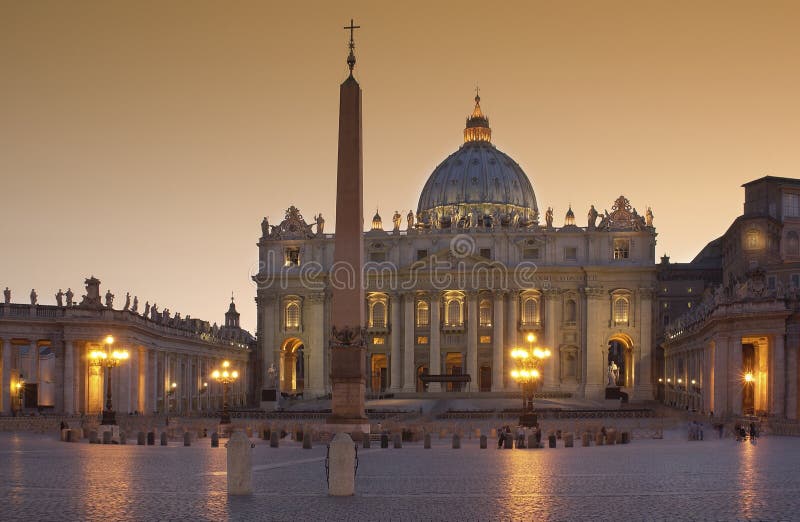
530, 253
485, 339
291, 256
377, 257
421, 254
622, 248
571, 253
791, 205
422, 339
378, 340
486, 252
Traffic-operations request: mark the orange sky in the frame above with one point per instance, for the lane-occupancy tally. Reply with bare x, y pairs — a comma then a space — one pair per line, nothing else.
143, 142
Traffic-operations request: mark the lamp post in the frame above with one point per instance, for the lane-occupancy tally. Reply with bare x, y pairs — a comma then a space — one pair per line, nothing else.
527, 373
108, 359
171, 394
20, 395
226, 377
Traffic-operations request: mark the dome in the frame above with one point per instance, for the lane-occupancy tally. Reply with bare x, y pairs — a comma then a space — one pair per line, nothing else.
478, 177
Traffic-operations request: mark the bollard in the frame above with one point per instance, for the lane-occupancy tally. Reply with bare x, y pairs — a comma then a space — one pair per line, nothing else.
215, 440
107, 437
163, 438
141, 439
585, 439
122, 438
484, 442
307, 439
240, 464
384, 441
427, 444
456, 441
70, 436
151, 438
187, 439
569, 440
342, 465
366, 442
274, 439
508, 442
93, 437
398, 441
532, 444
551, 439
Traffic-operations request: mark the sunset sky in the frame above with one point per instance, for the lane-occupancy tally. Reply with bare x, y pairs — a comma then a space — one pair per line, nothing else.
143, 142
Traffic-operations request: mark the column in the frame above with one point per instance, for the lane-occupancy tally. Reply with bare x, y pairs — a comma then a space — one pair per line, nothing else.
720, 382
734, 375
142, 405
180, 393
316, 352
791, 375
395, 361
435, 364
154, 382
512, 334
409, 340
472, 340
551, 298
777, 380
6, 380
498, 347
643, 371
596, 308
69, 377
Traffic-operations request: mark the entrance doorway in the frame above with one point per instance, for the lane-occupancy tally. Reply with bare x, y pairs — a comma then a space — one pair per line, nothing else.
486, 379
292, 369
454, 365
421, 386
620, 359
380, 373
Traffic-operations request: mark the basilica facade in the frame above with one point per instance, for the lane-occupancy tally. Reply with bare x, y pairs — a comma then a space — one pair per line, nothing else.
453, 287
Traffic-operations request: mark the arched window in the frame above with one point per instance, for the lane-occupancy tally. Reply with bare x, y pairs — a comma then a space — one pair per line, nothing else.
621, 307
292, 316
453, 312
486, 313
378, 319
530, 312
792, 244
423, 314
570, 311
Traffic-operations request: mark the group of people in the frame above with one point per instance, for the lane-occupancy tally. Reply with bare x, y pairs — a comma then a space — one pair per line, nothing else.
742, 431
504, 433
695, 430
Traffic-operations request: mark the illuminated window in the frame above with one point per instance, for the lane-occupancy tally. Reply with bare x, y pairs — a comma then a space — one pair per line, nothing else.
622, 248
378, 319
292, 316
422, 339
485, 339
453, 313
486, 313
751, 240
291, 256
378, 340
423, 314
621, 306
530, 311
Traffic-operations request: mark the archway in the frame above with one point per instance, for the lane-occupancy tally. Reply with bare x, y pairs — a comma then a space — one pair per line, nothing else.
421, 386
380, 375
292, 366
620, 353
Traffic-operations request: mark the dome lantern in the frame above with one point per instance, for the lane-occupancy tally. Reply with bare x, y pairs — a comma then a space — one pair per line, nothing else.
377, 223
477, 128
569, 219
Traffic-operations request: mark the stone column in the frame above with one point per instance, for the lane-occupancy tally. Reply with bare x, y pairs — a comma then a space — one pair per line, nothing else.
720, 381
316, 352
409, 369
144, 370
512, 335
69, 377
596, 312
6, 380
777, 372
792, 372
706, 378
498, 346
643, 365
472, 340
395, 360
435, 364
154, 355
735, 386
551, 299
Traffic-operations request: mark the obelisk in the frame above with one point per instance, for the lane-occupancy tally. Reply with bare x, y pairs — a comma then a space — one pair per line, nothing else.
348, 343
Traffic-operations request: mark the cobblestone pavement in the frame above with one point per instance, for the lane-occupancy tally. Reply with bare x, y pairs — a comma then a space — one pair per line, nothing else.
43, 479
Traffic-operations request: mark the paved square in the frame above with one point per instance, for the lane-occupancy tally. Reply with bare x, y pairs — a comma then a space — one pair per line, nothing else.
670, 479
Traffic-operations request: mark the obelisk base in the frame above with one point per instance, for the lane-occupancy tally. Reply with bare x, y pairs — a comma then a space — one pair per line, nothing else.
348, 390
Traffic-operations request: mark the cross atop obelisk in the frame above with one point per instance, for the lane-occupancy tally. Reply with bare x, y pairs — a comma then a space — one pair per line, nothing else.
351, 58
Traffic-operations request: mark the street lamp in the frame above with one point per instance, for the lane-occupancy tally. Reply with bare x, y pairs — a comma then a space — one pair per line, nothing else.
108, 359
171, 394
20, 389
226, 377
527, 373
